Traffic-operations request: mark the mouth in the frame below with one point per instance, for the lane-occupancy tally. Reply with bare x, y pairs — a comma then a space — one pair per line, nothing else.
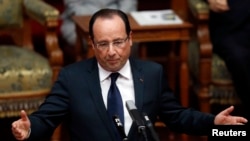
112, 61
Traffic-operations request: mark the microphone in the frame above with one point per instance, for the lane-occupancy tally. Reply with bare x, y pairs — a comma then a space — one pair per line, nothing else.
119, 127
150, 127
135, 115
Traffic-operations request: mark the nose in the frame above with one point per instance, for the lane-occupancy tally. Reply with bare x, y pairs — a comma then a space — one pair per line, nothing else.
111, 49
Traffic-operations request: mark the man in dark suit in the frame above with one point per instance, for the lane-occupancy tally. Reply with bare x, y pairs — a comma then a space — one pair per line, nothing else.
230, 35
80, 93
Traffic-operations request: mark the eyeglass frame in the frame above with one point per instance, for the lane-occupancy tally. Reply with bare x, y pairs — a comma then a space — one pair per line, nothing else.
119, 43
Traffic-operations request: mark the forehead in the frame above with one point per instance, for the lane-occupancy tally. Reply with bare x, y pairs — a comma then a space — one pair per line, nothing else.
113, 18
109, 25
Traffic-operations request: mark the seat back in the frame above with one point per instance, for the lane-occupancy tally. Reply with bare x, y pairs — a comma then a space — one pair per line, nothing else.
11, 13
26, 76
13, 27
16, 18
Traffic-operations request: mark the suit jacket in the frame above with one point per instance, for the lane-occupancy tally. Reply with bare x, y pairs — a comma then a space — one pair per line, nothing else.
77, 97
228, 23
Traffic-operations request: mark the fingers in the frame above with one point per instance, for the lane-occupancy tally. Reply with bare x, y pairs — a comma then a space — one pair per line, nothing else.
24, 116
218, 5
17, 132
224, 118
20, 128
237, 121
222, 5
241, 120
227, 111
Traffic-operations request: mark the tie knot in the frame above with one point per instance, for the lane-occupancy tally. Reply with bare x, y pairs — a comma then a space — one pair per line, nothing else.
114, 76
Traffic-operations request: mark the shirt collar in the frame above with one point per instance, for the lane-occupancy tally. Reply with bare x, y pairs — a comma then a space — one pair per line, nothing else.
125, 72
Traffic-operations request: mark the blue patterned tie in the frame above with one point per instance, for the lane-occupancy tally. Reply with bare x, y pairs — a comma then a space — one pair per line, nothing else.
115, 104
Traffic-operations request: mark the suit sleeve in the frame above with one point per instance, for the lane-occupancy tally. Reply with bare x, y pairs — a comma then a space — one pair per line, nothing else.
52, 112
179, 118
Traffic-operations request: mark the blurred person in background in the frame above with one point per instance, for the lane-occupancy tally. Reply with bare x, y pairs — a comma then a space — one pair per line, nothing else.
230, 36
86, 7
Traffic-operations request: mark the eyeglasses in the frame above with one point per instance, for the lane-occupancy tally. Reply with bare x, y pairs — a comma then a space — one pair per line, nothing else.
120, 43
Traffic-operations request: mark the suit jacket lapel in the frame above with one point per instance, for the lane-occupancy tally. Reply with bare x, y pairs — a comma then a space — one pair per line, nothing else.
96, 95
138, 78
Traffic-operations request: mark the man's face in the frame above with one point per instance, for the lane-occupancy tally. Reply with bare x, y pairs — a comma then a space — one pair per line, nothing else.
111, 44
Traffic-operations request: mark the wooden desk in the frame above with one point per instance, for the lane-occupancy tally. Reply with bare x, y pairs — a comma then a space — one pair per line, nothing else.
177, 32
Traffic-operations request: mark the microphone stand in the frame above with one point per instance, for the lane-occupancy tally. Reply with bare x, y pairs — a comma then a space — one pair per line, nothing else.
144, 133
151, 127
141, 128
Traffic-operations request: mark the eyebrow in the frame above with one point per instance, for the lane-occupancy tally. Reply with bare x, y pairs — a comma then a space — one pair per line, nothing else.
117, 39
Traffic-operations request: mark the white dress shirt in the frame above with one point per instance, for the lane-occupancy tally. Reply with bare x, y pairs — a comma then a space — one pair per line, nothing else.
126, 87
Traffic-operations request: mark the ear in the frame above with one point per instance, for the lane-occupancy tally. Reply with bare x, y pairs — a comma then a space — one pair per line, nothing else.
90, 41
92, 44
130, 38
